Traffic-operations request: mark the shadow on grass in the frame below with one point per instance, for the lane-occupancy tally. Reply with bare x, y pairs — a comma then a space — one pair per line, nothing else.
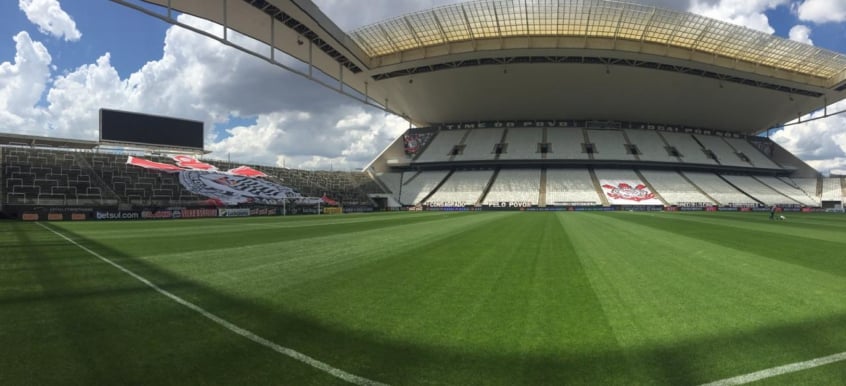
396, 362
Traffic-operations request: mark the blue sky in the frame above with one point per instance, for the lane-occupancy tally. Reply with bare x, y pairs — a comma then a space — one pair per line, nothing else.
63, 59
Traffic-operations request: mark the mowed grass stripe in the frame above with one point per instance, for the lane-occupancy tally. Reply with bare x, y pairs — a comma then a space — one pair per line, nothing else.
700, 307
772, 239
473, 298
69, 318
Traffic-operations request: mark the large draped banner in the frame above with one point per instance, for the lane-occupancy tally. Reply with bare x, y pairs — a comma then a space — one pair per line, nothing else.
236, 186
628, 193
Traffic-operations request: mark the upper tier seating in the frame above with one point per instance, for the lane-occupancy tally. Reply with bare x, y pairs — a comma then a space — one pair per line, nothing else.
651, 146
440, 147
566, 143
689, 150
756, 158
609, 145
722, 150
480, 145
523, 143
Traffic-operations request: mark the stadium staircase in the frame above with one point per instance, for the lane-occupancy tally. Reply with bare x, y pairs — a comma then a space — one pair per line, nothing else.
542, 193
667, 146
544, 155
598, 187
637, 157
819, 186
651, 188
716, 159
501, 143
487, 187
698, 189
432, 193
590, 155
460, 143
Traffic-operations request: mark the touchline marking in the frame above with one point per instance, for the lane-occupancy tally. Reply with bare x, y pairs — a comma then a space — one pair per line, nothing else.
335, 372
775, 371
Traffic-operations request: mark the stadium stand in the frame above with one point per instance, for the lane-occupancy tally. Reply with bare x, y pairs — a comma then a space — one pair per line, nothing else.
566, 143
609, 145
811, 186
479, 145
417, 186
720, 190
462, 188
57, 177
523, 144
570, 187
792, 191
725, 154
441, 146
756, 158
392, 181
518, 187
690, 151
832, 189
650, 145
675, 189
761, 192
615, 177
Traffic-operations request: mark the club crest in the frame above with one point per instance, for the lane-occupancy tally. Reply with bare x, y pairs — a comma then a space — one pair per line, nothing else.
624, 191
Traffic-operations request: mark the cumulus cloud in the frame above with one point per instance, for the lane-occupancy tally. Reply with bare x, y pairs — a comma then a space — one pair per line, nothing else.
821, 143
200, 79
21, 85
50, 18
747, 13
822, 11
801, 33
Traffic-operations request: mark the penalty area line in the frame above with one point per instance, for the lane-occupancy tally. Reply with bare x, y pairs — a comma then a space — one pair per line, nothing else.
780, 370
291, 353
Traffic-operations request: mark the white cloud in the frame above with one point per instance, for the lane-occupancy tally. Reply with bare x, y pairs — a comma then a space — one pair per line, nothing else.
821, 143
801, 33
198, 78
50, 18
21, 85
822, 11
747, 13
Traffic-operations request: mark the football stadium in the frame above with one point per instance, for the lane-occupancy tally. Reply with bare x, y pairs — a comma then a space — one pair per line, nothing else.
586, 194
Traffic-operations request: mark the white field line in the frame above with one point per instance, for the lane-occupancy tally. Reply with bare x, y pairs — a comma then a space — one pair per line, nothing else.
775, 371
335, 372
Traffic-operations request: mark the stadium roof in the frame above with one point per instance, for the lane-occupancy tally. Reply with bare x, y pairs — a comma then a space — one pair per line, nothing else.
36, 141
538, 59
496, 19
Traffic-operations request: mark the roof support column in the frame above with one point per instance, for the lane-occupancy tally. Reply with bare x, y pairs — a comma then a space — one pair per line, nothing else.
225, 22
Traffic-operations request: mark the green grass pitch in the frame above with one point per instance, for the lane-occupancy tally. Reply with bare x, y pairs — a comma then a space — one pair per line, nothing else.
491, 298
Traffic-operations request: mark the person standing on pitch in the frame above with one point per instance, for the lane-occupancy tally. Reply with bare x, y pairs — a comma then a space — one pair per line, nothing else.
772, 212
